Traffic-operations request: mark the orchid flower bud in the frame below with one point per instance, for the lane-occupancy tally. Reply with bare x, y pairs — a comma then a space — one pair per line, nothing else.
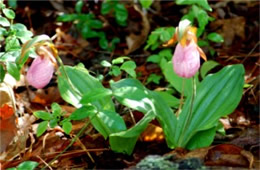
41, 69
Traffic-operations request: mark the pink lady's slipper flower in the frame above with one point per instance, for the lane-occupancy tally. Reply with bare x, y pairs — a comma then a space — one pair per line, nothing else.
186, 58
41, 69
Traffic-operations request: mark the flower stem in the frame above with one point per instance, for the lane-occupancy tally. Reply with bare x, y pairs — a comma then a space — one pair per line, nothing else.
187, 121
182, 97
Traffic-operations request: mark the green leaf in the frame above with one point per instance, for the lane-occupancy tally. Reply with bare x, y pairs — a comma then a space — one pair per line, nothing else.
215, 37
146, 3
246, 85
152, 39
120, 60
24, 35
202, 18
212, 51
159, 36
113, 43
202, 139
78, 6
53, 122
42, 128
9, 13
207, 66
2, 73
10, 56
154, 78
105, 63
106, 7
121, 14
28, 165
132, 93
80, 82
169, 99
12, 43
56, 109
95, 94
165, 36
202, 3
203, 43
177, 82
190, 16
166, 53
103, 43
83, 113
2, 5
129, 67
13, 70
67, 127
154, 58
3, 33
43, 115
108, 122
18, 27
125, 141
115, 70
4, 22
217, 95
12, 4
97, 24
67, 17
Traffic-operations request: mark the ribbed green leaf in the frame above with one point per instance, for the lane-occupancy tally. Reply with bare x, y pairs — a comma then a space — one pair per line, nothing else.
124, 141
207, 66
108, 122
217, 95
132, 93
28, 165
81, 82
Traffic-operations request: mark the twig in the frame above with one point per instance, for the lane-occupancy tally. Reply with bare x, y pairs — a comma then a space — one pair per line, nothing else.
250, 52
71, 143
86, 150
132, 116
46, 164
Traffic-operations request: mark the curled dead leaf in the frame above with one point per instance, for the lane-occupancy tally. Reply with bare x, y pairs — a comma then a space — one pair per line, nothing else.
134, 41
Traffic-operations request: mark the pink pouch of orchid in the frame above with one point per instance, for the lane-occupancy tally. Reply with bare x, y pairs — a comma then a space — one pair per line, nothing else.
40, 72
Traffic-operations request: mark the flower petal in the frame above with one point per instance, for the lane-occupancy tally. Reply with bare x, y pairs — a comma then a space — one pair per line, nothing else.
186, 60
40, 72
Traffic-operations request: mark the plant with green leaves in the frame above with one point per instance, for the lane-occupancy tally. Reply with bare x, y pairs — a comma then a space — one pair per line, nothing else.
12, 36
216, 96
197, 12
117, 9
89, 26
57, 117
127, 66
